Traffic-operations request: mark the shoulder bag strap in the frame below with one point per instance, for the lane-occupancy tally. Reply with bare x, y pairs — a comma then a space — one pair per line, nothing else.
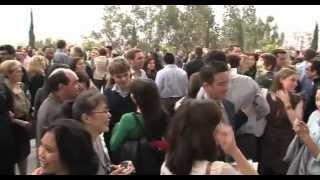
208, 168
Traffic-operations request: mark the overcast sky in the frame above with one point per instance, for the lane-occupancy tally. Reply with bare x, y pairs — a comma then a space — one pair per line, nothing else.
70, 22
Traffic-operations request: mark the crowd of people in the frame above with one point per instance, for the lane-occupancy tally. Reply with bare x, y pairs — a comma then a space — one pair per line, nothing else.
213, 112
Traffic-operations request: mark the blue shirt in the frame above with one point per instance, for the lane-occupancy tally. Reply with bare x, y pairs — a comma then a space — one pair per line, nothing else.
172, 81
314, 128
61, 57
306, 83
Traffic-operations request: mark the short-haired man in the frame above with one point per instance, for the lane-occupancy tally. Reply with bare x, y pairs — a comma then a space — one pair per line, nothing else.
61, 55
7, 52
282, 58
313, 73
215, 79
136, 58
172, 83
195, 64
49, 53
234, 49
117, 94
305, 82
264, 76
63, 86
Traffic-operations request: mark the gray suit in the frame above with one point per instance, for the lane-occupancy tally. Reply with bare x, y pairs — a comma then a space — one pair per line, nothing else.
47, 110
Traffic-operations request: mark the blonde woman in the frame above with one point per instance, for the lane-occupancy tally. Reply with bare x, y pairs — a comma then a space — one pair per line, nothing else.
12, 69
36, 72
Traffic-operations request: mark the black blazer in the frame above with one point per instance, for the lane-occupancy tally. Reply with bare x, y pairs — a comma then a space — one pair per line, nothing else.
237, 119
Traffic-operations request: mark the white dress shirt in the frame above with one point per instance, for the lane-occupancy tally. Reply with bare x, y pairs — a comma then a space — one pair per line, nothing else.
172, 81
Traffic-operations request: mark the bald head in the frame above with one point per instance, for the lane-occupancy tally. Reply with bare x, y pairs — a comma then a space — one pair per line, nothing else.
64, 82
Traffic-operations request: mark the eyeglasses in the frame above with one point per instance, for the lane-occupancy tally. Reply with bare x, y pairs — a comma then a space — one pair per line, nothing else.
98, 112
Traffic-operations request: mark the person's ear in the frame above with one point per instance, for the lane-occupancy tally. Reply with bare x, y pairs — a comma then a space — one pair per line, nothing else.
85, 118
206, 86
133, 99
60, 86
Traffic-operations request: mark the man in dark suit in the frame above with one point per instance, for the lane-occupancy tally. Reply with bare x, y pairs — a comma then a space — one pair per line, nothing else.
215, 82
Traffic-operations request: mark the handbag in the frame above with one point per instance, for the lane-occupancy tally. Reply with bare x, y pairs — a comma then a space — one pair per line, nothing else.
145, 158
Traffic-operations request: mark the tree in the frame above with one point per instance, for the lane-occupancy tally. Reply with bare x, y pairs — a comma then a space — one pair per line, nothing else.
232, 26
314, 42
184, 27
48, 42
249, 27
31, 33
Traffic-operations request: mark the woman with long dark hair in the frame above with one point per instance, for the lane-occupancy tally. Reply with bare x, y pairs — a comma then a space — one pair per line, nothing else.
152, 65
194, 135
149, 121
66, 149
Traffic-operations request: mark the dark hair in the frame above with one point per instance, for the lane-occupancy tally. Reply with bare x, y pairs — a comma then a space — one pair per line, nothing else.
78, 52
269, 60
208, 71
315, 66
169, 58
309, 54
157, 63
190, 135
54, 80
232, 46
255, 55
83, 78
109, 47
74, 63
156, 56
75, 147
102, 52
146, 95
234, 60
131, 54
215, 55
10, 49
198, 51
278, 51
194, 85
46, 47
61, 44
86, 102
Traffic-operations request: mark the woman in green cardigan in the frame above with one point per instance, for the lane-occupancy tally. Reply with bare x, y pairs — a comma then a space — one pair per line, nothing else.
149, 121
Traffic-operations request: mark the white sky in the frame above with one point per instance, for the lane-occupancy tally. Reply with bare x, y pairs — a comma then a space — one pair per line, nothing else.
70, 22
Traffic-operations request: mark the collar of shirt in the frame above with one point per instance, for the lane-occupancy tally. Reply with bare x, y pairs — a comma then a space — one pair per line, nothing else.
170, 66
119, 91
233, 72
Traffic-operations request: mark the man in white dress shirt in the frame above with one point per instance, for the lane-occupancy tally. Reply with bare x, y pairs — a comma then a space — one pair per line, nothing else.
172, 83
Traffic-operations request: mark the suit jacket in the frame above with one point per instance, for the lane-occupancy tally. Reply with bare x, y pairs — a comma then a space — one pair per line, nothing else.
236, 119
